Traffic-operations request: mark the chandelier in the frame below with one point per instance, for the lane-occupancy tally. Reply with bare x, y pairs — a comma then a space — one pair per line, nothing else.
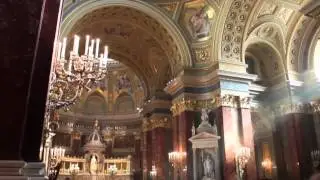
71, 76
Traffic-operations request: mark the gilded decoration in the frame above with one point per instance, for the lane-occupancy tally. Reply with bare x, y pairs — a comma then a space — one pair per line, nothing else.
227, 100
153, 123
197, 19
169, 7
202, 54
131, 26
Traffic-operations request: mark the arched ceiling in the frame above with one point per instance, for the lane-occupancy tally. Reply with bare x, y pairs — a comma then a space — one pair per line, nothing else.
136, 40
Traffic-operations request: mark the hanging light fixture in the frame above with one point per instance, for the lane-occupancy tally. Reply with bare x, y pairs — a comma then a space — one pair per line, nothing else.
77, 73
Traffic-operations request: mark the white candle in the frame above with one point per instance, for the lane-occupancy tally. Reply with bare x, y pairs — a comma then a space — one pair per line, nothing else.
87, 45
91, 48
97, 48
63, 51
70, 64
76, 44
106, 52
59, 51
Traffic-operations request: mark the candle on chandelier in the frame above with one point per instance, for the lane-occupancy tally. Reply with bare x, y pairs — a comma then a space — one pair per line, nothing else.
59, 50
87, 45
97, 48
76, 44
106, 52
91, 48
63, 51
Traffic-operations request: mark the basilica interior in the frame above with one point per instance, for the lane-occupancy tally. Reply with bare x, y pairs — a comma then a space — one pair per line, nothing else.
160, 90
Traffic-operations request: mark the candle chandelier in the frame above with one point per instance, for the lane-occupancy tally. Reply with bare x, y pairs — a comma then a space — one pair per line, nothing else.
71, 76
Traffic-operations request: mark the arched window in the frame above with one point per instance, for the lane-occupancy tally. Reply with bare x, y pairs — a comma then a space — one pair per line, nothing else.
250, 65
124, 103
316, 59
95, 104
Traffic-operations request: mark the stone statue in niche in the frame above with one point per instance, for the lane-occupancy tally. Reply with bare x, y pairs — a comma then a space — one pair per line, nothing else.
208, 166
200, 23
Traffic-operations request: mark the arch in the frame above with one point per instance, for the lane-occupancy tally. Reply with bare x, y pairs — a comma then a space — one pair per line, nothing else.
270, 33
124, 101
271, 68
72, 15
95, 103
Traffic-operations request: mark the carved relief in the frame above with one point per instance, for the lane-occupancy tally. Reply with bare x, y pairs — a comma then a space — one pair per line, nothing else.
150, 124
268, 8
202, 54
295, 43
285, 14
234, 29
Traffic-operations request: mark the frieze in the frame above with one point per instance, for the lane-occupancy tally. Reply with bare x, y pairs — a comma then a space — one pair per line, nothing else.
194, 105
150, 124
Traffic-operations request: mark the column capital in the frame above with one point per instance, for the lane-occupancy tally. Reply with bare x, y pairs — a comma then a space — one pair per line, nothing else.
217, 100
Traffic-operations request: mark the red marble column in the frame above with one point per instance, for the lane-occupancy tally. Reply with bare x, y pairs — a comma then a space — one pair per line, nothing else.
160, 152
248, 141
184, 126
299, 139
227, 123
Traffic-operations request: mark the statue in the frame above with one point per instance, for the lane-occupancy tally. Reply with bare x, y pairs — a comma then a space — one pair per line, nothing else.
208, 168
93, 165
200, 24
204, 115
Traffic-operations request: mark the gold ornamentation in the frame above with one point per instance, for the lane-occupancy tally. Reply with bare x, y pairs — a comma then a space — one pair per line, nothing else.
150, 124
202, 55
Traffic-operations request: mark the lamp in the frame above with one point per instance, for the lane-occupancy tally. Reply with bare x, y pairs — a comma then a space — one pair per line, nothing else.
315, 157
112, 170
153, 172
70, 76
178, 160
74, 170
267, 166
242, 157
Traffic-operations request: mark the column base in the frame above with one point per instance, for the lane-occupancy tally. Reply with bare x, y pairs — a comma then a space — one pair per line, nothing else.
20, 170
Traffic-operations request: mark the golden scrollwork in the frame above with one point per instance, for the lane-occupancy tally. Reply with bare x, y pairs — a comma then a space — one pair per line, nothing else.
150, 124
202, 55
216, 101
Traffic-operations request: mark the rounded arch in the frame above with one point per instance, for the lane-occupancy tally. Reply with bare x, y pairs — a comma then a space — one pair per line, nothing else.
269, 62
95, 103
271, 33
124, 103
73, 15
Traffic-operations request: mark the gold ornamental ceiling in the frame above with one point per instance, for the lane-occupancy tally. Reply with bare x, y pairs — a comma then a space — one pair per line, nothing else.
136, 40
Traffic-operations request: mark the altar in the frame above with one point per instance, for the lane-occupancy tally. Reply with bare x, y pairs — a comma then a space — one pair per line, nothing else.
79, 169
93, 165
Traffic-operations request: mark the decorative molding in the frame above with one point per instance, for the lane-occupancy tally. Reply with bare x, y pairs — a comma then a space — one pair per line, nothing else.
153, 123
202, 55
226, 100
234, 29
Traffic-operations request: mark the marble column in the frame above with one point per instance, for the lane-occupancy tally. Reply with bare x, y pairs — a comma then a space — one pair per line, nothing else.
235, 128
298, 139
27, 37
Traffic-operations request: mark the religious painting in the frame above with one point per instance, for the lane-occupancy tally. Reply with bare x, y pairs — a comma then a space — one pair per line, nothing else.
198, 19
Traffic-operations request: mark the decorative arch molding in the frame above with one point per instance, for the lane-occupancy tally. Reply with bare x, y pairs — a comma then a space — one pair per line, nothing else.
237, 14
76, 13
96, 91
269, 33
124, 97
310, 41
297, 44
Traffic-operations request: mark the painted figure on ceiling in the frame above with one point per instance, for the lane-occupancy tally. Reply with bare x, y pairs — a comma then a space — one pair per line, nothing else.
123, 82
200, 23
